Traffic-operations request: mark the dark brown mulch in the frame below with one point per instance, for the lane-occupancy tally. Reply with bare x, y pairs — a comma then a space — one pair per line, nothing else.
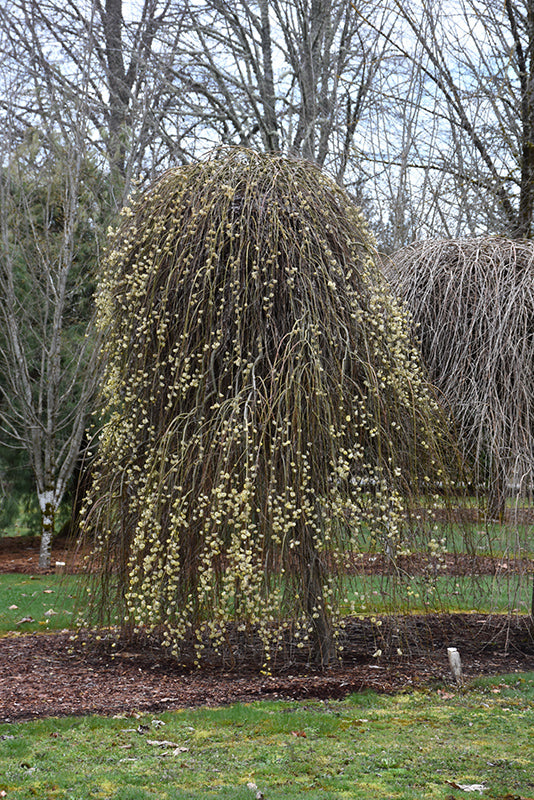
56, 674
20, 554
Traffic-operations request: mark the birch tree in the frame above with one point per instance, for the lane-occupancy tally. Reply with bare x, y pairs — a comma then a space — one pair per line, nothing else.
46, 350
80, 106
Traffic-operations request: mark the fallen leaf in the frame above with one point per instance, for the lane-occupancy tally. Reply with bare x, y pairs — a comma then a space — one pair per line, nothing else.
12, 608
50, 612
24, 619
179, 750
468, 787
299, 733
161, 743
253, 788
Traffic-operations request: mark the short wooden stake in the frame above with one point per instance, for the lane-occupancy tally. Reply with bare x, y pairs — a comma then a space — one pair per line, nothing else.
455, 664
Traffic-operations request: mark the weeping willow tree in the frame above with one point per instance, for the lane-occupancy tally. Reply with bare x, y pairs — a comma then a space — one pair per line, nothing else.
262, 403
472, 301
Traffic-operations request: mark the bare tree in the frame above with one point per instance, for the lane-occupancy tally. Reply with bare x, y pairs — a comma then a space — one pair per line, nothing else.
46, 352
472, 93
293, 77
81, 101
119, 63
472, 305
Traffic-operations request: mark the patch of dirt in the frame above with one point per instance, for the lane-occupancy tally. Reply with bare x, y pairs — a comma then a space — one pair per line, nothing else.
20, 554
55, 674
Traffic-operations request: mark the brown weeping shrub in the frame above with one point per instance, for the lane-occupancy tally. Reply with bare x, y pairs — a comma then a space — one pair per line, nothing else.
263, 407
472, 302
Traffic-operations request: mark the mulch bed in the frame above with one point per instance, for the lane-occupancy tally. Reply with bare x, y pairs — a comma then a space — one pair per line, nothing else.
20, 554
57, 674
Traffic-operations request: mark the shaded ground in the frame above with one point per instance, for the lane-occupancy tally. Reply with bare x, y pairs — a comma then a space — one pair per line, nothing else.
21, 554
56, 674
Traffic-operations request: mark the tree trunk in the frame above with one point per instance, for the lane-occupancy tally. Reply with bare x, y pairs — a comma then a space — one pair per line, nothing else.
119, 84
497, 496
323, 645
267, 86
524, 55
48, 505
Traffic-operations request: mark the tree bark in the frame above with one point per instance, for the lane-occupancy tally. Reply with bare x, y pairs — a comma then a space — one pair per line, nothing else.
271, 138
313, 576
48, 504
525, 59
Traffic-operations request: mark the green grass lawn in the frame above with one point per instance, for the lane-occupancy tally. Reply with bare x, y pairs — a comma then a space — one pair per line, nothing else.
413, 745
48, 600
490, 539
482, 593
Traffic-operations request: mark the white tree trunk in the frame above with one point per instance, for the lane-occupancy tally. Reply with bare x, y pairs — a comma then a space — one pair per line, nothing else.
48, 504
48, 366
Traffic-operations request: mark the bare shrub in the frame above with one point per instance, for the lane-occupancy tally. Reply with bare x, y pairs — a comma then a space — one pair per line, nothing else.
472, 305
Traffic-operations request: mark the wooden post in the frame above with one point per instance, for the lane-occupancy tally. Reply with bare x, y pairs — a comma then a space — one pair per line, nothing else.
455, 664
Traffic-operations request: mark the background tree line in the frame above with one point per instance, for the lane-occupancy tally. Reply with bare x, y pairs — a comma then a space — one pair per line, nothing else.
422, 111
